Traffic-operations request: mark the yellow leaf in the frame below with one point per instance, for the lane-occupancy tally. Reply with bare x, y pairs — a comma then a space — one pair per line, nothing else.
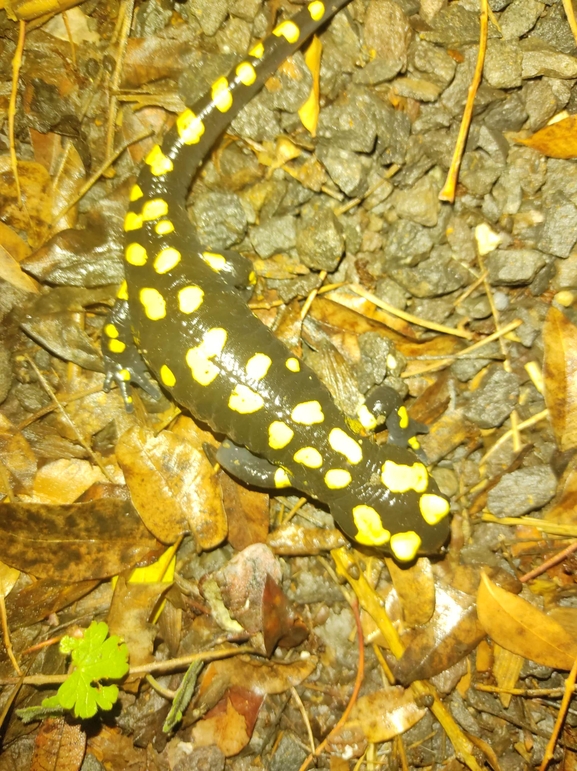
558, 140
518, 626
309, 112
560, 376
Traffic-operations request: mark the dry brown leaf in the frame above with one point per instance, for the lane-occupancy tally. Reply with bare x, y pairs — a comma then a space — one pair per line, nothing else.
39, 600
451, 634
224, 726
563, 510
12, 273
19, 462
415, 587
64, 481
559, 140
257, 675
247, 512
8, 577
560, 376
295, 540
172, 484
16, 247
380, 716
34, 216
59, 746
73, 543
518, 626
130, 615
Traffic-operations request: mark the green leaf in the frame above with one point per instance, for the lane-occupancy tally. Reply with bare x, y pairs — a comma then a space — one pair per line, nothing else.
95, 658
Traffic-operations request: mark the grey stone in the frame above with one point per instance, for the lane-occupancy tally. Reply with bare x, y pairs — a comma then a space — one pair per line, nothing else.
387, 32
347, 169
417, 88
278, 234
479, 172
219, 218
519, 18
436, 276
407, 242
320, 242
522, 491
210, 14
454, 26
560, 229
539, 59
433, 61
503, 64
257, 121
420, 204
513, 267
492, 403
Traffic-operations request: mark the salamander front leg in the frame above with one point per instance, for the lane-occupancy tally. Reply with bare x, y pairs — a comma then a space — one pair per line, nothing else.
231, 266
385, 401
249, 468
123, 363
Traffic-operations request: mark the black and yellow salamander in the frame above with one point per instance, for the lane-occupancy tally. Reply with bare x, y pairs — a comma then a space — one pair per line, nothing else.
182, 314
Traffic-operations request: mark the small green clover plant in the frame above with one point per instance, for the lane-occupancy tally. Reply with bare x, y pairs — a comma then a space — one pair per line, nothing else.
95, 658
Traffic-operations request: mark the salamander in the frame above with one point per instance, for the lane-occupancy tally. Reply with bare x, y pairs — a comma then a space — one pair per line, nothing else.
181, 314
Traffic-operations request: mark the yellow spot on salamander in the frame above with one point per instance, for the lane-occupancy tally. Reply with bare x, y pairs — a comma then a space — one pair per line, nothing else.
405, 545
403, 417
246, 73
190, 127
370, 527
116, 346
287, 29
316, 10
293, 364
153, 303
345, 445
252, 278
122, 293
159, 163
124, 374
258, 365
399, 478
167, 376
111, 331
244, 400
308, 413
281, 478
279, 435
309, 456
198, 359
433, 508
215, 261
132, 221
136, 255
366, 418
337, 478
166, 260
190, 298
154, 209
136, 193
164, 227
414, 443
221, 94
257, 51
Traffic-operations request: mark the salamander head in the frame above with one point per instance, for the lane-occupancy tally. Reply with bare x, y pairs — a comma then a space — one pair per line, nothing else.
397, 507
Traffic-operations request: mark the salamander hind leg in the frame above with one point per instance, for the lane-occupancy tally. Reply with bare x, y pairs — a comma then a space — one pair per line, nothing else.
249, 468
123, 363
